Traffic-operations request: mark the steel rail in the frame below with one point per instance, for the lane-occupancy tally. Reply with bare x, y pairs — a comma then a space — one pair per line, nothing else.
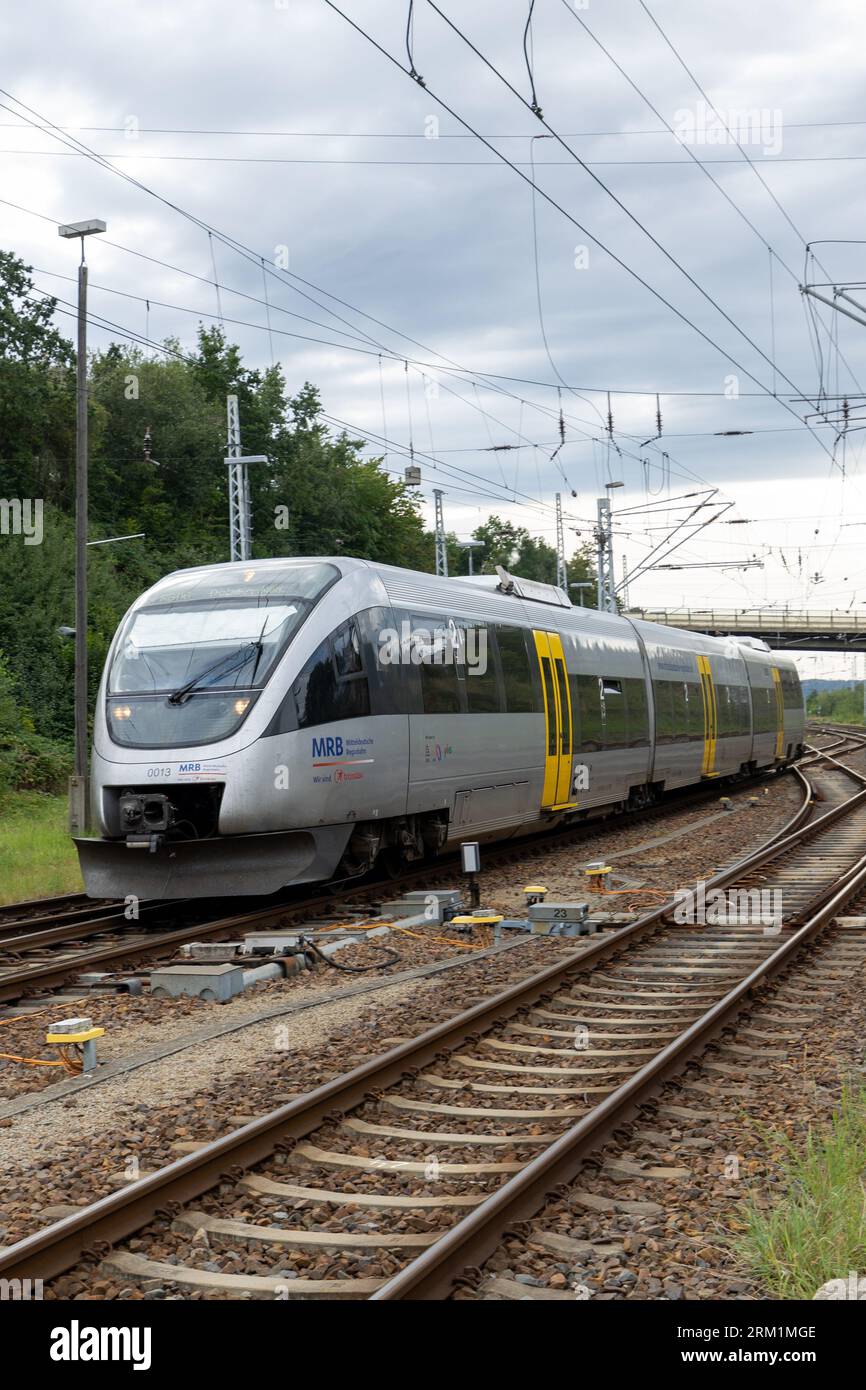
473, 1239
52, 974
57, 1247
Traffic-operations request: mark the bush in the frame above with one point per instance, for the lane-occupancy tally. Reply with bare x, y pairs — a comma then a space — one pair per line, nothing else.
28, 762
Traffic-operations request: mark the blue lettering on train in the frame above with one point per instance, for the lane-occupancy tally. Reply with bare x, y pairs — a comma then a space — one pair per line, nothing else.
328, 747
190, 767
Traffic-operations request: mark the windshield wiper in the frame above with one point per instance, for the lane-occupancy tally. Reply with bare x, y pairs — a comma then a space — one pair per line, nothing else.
239, 660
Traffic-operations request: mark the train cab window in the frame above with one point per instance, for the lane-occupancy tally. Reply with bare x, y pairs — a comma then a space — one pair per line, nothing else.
520, 695
332, 686
436, 651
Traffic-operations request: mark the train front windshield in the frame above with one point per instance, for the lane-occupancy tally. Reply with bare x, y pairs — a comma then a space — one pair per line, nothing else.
192, 661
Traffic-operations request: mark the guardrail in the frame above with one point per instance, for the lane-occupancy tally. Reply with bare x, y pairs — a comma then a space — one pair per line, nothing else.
746, 621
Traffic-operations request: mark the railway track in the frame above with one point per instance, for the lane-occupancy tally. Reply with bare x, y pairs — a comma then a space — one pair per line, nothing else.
389, 1180
45, 944
655, 1211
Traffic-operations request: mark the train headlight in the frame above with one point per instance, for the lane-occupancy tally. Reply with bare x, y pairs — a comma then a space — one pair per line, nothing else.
149, 721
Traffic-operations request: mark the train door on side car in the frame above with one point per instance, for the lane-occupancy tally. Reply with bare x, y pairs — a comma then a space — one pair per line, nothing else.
780, 711
711, 717
558, 721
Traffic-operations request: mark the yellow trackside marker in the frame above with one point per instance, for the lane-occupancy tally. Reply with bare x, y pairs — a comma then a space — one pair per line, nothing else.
780, 712
711, 717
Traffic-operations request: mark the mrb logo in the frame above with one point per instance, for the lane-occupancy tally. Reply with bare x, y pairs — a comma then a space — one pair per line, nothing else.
328, 747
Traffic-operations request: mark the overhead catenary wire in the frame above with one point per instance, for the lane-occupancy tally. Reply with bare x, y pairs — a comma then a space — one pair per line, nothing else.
527, 54
388, 355
750, 161
429, 163
393, 134
240, 249
585, 231
449, 470
624, 208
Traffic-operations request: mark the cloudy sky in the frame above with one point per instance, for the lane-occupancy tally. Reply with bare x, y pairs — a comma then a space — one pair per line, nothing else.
405, 275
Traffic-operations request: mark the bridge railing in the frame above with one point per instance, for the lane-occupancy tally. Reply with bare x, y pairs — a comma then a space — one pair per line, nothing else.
748, 621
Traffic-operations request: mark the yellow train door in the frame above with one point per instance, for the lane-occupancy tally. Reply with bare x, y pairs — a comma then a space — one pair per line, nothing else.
780, 712
559, 724
711, 717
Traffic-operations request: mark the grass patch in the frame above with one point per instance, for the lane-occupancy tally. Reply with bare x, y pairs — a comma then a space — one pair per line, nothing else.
37, 856
816, 1229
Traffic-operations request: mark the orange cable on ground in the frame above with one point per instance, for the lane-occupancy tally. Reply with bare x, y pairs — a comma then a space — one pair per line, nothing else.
67, 1063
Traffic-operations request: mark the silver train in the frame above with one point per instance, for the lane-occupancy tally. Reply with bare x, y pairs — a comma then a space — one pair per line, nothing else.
278, 722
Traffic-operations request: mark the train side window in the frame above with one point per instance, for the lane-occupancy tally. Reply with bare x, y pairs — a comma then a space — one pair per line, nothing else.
482, 681
663, 711
586, 696
764, 709
347, 650
638, 714
732, 702
322, 693
520, 695
694, 726
435, 655
727, 723
564, 711
679, 710
615, 719
791, 691
321, 697
381, 655
547, 677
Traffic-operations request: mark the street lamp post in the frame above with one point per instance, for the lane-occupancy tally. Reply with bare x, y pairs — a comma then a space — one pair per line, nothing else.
580, 585
79, 808
469, 547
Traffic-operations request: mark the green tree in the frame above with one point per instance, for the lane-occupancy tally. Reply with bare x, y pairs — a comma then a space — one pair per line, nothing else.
37, 392
844, 706
517, 551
